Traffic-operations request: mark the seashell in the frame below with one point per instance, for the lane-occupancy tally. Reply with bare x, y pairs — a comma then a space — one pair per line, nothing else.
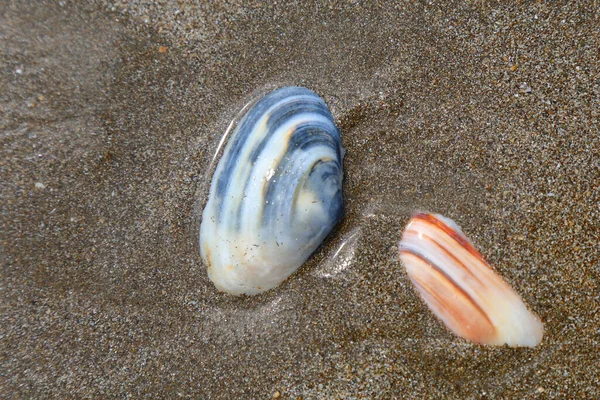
276, 192
461, 289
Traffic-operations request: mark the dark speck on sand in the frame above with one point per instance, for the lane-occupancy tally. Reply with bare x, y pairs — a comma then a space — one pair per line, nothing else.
111, 112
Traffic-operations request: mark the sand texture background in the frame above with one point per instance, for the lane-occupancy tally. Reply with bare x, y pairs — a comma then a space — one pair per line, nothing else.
111, 113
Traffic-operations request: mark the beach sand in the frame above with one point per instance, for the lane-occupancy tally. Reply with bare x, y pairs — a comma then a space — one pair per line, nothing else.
110, 117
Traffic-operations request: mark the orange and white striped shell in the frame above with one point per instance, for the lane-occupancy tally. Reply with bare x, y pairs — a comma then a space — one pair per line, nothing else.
461, 289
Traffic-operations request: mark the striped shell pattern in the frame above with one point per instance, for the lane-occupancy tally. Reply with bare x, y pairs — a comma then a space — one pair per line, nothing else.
461, 289
276, 192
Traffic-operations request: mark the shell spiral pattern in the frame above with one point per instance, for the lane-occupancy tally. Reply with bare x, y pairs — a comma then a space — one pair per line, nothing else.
276, 192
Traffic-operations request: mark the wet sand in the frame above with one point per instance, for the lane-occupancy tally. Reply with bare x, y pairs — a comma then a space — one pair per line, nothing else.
110, 115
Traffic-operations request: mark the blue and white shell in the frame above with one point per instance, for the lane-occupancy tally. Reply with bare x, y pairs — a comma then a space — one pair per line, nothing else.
276, 192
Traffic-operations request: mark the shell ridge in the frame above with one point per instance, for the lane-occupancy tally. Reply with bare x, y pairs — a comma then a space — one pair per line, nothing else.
244, 130
446, 257
254, 173
456, 284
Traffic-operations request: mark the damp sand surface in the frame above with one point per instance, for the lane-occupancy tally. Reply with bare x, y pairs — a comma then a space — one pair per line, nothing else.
111, 114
